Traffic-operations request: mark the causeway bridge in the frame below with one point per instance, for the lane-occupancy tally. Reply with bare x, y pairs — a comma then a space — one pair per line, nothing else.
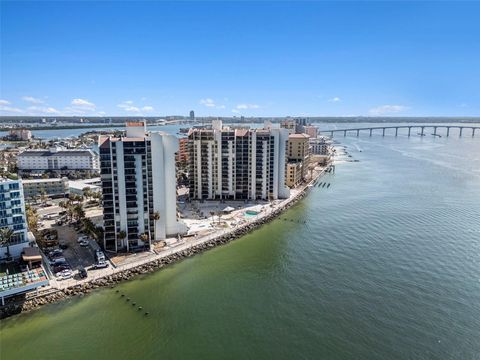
419, 128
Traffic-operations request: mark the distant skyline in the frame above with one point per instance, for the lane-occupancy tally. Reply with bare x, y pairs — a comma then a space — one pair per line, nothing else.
239, 58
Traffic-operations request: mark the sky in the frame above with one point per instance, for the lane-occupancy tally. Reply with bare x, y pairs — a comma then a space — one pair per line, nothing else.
226, 58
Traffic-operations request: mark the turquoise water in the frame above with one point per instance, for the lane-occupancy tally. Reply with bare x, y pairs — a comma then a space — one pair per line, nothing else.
386, 266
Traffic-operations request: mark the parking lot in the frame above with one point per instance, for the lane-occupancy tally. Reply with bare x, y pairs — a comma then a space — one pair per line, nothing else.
75, 254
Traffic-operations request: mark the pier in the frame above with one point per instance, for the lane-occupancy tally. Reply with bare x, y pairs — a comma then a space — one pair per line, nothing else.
419, 128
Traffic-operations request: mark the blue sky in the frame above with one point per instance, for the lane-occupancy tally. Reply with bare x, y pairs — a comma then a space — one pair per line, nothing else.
240, 58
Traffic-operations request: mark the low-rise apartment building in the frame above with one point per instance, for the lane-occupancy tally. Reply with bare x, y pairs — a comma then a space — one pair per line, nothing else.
53, 188
298, 152
57, 159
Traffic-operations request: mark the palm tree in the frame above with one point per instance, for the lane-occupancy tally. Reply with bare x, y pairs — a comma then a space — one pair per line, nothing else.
156, 217
6, 235
122, 235
89, 227
32, 219
78, 212
144, 237
87, 193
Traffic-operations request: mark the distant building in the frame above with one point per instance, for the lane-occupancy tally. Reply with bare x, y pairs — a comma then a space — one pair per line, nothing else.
290, 125
311, 131
319, 146
192, 115
53, 188
12, 216
20, 134
182, 154
57, 159
237, 164
138, 183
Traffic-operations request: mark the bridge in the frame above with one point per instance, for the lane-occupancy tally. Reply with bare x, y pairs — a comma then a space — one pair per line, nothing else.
419, 128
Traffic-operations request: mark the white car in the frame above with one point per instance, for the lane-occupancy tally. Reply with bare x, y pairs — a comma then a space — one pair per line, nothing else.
64, 275
82, 238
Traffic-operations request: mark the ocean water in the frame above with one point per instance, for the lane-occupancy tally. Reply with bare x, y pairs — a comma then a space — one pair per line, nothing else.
383, 264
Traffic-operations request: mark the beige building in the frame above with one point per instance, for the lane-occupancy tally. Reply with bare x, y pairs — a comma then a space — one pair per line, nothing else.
294, 174
311, 131
53, 188
298, 147
298, 152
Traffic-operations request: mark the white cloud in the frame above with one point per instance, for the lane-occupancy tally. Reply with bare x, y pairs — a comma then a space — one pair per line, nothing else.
130, 108
10, 110
211, 103
208, 102
235, 111
247, 106
335, 99
387, 110
34, 110
82, 103
4, 102
32, 100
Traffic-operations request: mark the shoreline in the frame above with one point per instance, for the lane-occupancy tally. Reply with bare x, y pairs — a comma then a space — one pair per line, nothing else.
161, 260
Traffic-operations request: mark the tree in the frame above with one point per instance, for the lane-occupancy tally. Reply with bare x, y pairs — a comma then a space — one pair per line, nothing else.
6, 235
78, 212
122, 235
32, 219
144, 237
89, 226
156, 217
87, 192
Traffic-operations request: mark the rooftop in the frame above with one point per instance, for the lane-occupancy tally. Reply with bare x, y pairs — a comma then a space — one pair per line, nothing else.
298, 136
32, 181
33, 153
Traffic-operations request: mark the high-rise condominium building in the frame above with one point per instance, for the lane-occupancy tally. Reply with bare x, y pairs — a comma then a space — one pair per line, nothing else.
12, 216
237, 164
139, 188
192, 115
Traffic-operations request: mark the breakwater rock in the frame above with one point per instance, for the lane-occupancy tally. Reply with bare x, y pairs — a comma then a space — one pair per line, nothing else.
17, 305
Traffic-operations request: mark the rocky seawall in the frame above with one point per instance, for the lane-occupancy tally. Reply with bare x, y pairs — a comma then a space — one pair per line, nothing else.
18, 306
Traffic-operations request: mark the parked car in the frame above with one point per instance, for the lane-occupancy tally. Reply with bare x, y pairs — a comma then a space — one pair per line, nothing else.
61, 268
83, 238
100, 256
64, 275
82, 272
63, 246
58, 261
84, 243
55, 253
100, 265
